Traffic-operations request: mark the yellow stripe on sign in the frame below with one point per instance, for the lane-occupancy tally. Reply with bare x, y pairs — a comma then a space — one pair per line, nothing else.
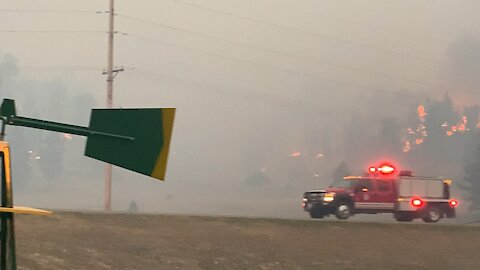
159, 170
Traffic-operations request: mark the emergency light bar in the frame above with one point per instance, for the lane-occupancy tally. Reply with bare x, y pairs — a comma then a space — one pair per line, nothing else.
383, 169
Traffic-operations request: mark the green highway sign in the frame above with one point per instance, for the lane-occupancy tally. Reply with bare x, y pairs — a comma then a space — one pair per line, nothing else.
146, 152
134, 139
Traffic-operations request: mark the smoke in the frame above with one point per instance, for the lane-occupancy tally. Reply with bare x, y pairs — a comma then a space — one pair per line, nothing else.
271, 97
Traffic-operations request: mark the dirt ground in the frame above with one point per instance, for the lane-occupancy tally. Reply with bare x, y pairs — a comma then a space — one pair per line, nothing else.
93, 241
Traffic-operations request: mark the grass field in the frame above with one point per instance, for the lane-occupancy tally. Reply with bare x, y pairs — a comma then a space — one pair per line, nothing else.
73, 240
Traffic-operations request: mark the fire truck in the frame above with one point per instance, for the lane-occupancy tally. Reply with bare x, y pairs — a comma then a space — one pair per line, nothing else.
383, 189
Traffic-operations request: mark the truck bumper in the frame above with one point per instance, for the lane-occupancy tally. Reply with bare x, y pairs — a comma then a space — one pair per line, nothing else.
319, 207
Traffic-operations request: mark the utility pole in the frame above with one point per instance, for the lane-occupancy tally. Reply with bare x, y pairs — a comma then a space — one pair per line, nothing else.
111, 73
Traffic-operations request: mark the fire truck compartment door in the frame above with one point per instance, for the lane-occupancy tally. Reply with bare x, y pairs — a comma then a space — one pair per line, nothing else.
432, 188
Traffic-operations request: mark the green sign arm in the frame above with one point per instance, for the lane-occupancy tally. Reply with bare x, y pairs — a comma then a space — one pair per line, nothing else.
9, 112
60, 127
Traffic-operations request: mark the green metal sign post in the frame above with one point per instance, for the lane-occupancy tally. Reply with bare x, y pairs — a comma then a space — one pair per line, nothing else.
134, 139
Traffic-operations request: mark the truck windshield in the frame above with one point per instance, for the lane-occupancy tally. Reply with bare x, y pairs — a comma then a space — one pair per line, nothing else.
342, 183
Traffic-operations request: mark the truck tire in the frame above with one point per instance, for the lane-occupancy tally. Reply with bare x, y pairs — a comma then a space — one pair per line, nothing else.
403, 216
432, 214
343, 210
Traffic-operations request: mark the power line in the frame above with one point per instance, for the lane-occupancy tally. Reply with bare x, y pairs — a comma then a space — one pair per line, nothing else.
381, 74
52, 31
51, 11
56, 68
257, 64
240, 60
316, 15
248, 94
236, 43
225, 40
322, 36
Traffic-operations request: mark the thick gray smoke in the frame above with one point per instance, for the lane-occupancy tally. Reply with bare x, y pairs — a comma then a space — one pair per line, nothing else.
271, 96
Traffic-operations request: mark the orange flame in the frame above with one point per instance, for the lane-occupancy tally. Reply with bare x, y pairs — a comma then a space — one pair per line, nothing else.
296, 154
421, 112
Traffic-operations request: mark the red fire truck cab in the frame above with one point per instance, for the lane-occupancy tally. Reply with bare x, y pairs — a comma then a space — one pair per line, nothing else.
384, 190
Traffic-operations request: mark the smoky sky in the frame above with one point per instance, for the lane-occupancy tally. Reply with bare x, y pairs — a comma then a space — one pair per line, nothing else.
247, 78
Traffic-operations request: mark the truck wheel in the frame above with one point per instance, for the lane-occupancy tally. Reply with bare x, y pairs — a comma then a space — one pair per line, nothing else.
343, 210
403, 216
433, 214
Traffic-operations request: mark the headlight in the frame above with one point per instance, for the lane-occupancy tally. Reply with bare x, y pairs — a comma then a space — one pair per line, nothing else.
328, 197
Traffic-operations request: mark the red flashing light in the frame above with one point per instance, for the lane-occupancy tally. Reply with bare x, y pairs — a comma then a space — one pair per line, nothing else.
386, 169
417, 202
383, 169
453, 203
